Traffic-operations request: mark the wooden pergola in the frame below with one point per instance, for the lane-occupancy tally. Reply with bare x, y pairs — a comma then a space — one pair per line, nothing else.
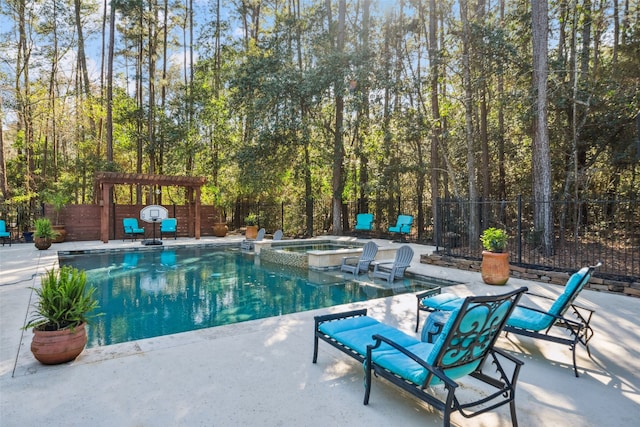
106, 180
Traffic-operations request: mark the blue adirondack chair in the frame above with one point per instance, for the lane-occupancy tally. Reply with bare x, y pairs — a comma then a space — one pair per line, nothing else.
131, 228
169, 226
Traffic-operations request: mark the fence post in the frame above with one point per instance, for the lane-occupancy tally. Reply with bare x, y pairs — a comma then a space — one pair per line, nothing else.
519, 232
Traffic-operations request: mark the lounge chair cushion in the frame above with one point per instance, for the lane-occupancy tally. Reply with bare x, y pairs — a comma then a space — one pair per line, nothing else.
356, 333
570, 288
401, 365
524, 318
438, 300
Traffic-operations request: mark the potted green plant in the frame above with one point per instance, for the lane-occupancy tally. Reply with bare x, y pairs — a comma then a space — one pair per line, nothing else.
44, 233
58, 199
65, 305
495, 261
251, 222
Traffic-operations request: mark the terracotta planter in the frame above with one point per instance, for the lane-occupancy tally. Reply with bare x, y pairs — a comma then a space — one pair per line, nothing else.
220, 229
251, 232
53, 347
495, 267
62, 233
42, 243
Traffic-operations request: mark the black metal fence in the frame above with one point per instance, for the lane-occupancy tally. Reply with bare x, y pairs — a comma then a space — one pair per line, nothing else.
585, 231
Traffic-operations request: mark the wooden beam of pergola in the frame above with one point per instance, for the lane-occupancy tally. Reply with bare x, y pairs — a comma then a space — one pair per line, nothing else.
106, 180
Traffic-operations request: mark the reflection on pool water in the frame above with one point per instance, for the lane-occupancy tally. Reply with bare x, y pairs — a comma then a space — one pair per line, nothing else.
154, 292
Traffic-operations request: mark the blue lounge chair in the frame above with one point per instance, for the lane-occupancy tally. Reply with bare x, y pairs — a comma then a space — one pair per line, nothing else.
4, 234
459, 352
549, 325
362, 263
277, 235
131, 228
169, 226
364, 222
402, 261
249, 244
403, 226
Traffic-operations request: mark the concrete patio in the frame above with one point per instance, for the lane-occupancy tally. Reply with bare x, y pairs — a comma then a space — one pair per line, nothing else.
259, 373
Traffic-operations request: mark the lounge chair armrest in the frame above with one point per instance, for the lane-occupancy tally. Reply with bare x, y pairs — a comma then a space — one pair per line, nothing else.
336, 316
580, 307
436, 372
429, 293
533, 294
508, 356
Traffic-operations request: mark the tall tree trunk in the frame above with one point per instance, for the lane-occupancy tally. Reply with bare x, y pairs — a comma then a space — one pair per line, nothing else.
541, 158
4, 185
473, 232
502, 184
436, 129
337, 181
363, 113
109, 118
82, 61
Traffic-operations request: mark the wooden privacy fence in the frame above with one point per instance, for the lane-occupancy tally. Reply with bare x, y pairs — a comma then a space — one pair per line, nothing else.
82, 222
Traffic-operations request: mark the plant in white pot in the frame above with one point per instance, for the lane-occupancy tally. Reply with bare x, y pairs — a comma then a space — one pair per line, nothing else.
495, 261
65, 305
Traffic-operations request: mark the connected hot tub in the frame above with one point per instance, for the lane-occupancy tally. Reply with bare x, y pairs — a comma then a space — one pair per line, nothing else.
315, 254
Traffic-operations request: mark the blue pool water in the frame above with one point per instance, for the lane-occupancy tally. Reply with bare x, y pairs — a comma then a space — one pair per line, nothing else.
154, 292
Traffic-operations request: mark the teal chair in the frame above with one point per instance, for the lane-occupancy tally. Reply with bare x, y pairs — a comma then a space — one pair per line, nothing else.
131, 228
551, 324
364, 222
464, 351
403, 225
4, 234
169, 226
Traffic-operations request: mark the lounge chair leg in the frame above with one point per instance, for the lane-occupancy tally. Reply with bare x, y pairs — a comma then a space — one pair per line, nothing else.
367, 383
514, 418
575, 366
315, 347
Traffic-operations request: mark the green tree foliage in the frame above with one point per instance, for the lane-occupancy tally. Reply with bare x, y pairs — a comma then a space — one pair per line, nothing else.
247, 97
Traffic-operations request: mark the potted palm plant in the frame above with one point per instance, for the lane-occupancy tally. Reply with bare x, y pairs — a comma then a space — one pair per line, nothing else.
58, 199
65, 305
44, 233
251, 221
495, 261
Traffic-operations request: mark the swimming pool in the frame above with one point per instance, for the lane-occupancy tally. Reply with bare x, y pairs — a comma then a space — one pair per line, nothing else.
152, 292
